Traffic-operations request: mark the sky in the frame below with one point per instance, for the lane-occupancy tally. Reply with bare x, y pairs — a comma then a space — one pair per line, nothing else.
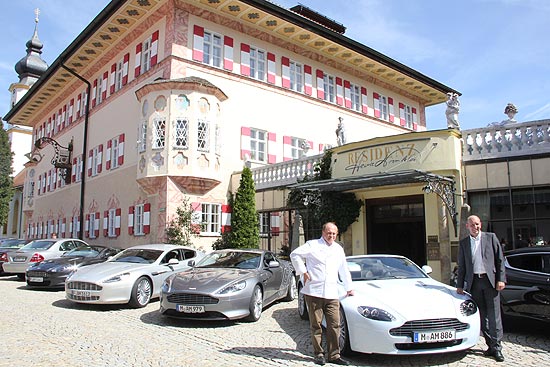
493, 52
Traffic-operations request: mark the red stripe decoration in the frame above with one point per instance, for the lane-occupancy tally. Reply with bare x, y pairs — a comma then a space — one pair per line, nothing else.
226, 218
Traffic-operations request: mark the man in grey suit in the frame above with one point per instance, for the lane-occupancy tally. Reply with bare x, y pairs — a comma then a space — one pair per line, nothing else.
481, 272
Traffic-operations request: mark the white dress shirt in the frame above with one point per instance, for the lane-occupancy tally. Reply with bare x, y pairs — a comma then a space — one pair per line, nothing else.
323, 263
475, 243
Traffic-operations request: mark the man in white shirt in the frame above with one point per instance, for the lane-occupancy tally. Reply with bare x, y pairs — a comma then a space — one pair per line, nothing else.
321, 262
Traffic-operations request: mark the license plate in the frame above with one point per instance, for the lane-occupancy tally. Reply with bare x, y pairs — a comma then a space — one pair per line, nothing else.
189, 309
19, 258
36, 279
434, 336
79, 293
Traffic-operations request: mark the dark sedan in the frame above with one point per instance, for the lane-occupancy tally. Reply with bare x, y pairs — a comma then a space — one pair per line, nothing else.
52, 273
8, 245
527, 291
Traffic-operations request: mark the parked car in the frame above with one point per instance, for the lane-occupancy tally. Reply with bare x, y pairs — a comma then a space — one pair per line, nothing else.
8, 245
398, 309
133, 276
53, 272
228, 284
37, 251
527, 291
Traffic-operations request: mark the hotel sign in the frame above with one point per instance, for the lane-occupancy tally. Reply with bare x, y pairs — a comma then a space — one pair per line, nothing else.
397, 156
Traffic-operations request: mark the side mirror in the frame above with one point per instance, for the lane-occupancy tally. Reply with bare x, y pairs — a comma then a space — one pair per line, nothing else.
274, 264
173, 261
427, 269
191, 263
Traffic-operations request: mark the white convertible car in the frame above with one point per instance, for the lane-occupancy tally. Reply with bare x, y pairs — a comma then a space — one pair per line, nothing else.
398, 309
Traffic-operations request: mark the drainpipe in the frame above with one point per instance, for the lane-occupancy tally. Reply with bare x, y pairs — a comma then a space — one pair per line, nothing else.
84, 147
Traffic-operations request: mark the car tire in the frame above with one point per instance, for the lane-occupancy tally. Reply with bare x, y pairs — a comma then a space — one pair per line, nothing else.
292, 290
302, 307
256, 304
343, 340
21, 276
141, 293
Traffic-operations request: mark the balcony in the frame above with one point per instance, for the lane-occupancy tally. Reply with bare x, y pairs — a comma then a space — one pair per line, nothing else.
283, 174
510, 140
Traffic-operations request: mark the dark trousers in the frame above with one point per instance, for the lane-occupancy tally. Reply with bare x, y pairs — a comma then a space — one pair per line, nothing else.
330, 308
488, 301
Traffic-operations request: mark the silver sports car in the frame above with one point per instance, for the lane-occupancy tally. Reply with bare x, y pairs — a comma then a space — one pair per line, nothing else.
133, 276
228, 284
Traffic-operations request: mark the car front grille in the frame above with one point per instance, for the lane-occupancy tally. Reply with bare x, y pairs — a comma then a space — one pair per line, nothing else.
84, 286
41, 274
408, 328
191, 299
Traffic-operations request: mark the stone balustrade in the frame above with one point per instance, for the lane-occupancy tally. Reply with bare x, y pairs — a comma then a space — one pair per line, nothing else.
513, 139
283, 174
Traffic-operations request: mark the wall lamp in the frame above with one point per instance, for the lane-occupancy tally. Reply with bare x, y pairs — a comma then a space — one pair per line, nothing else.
62, 157
444, 187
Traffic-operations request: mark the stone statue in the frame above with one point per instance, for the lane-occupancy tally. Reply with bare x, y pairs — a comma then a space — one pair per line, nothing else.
453, 107
340, 132
510, 111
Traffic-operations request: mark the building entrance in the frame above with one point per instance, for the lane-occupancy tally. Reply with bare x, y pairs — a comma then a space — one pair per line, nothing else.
397, 226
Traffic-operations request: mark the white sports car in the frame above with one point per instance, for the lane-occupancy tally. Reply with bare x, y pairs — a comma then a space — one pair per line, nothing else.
398, 309
133, 276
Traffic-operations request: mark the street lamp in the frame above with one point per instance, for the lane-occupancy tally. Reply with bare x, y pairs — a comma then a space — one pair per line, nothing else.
62, 157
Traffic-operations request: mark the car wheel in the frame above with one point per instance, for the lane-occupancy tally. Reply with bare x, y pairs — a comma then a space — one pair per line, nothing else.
292, 291
256, 304
302, 308
343, 341
141, 293
21, 276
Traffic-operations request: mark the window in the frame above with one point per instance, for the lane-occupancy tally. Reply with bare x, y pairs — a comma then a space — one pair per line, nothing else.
181, 140
111, 223
264, 219
258, 145
75, 226
138, 219
118, 75
257, 63
296, 77
78, 169
203, 136
355, 95
146, 55
329, 85
212, 49
297, 147
115, 152
408, 116
91, 225
142, 138
211, 216
383, 100
96, 160
159, 134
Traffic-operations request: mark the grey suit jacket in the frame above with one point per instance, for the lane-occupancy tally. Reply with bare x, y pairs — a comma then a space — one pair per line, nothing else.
493, 260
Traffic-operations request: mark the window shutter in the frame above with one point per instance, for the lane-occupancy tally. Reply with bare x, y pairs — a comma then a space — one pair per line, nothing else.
271, 148
154, 48
198, 43
285, 72
392, 111
275, 223
87, 226
287, 148
125, 68
73, 170
245, 59
96, 225
196, 216
90, 155
308, 79
131, 220
64, 117
271, 73
339, 92
415, 122
108, 155
104, 85
121, 149
113, 77
99, 158
228, 53
376, 98
320, 84
94, 91
39, 183
118, 213
105, 223
364, 104
245, 143
402, 120
71, 110
78, 102
137, 68
64, 228
347, 93
226, 218
146, 218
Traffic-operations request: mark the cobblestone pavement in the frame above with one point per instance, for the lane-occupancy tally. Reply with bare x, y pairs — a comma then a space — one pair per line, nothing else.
41, 328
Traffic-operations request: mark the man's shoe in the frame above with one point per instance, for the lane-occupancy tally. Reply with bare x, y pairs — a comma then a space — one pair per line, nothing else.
489, 352
340, 361
498, 356
320, 360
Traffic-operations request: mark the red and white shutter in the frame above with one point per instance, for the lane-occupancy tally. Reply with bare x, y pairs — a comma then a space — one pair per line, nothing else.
415, 122
392, 109
131, 220
90, 156
54, 179
71, 111
320, 84
339, 92
105, 223
108, 155
228, 53
146, 218
245, 59
226, 218
113, 77
308, 80
198, 43
73, 170
99, 161
364, 104
78, 102
39, 184
285, 72
245, 142
125, 67
137, 67
271, 148
196, 216
402, 120
59, 119
376, 98
287, 148
94, 92
118, 213
154, 48
271, 72
104, 85
64, 228
275, 223
87, 226
121, 149
347, 93
64, 117
96, 225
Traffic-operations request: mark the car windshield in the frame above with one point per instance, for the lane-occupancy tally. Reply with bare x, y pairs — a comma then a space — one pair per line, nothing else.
140, 256
83, 251
38, 244
13, 243
374, 268
231, 259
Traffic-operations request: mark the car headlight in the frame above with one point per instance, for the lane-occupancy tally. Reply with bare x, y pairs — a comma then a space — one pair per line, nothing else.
374, 313
468, 307
117, 278
235, 287
167, 284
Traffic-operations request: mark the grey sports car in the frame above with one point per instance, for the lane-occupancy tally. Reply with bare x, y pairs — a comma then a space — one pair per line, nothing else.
228, 284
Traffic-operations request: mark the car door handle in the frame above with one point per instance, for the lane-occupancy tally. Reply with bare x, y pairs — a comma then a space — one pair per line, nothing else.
158, 272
